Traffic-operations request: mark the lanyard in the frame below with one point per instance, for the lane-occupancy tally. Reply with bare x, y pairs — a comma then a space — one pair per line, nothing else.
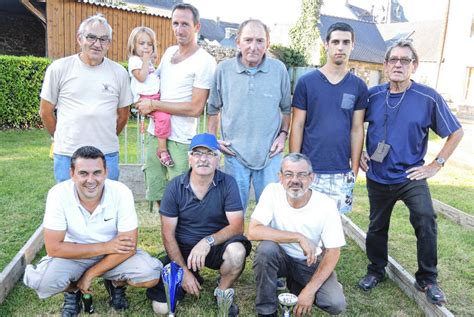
387, 106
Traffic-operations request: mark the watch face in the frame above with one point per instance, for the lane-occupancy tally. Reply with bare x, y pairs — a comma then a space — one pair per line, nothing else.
210, 240
440, 160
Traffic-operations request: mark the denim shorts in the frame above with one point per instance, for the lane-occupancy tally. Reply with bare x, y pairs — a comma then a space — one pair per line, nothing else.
337, 186
62, 166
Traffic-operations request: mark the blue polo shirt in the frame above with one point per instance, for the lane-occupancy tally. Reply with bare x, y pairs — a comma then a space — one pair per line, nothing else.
200, 218
408, 125
329, 110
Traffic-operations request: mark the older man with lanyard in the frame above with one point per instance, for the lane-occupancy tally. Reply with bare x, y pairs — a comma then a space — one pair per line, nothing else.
400, 115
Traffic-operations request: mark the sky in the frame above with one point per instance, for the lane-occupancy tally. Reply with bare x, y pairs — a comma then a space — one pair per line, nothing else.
287, 11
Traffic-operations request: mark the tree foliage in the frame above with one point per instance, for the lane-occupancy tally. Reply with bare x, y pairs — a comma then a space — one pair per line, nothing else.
305, 33
289, 56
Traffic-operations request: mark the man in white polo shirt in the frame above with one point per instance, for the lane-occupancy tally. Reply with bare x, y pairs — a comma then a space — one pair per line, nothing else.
90, 230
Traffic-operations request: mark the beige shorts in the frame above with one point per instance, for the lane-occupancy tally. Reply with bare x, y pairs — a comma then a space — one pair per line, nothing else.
53, 275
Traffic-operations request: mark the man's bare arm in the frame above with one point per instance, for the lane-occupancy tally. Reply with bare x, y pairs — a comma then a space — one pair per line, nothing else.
357, 139
106, 263
47, 116
279, 143
213, 124
297, 127
168, 229
430, 170
122, 118
197, 257
192, 108
123, 243
258, 231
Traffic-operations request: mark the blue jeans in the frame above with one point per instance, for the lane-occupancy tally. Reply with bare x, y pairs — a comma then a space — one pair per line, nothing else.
62, 165
259, 178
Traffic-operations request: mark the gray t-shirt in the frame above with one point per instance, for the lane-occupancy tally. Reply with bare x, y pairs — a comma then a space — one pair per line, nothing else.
86, 98
251, 106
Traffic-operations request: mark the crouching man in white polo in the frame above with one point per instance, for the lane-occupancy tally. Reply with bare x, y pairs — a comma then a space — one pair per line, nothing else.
90, 230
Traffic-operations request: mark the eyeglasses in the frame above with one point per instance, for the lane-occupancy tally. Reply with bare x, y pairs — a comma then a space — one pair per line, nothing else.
299, 175
404, 61
199, 154
91, 38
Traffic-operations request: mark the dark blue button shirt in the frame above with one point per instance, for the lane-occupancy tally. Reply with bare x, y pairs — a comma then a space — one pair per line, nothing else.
200, 218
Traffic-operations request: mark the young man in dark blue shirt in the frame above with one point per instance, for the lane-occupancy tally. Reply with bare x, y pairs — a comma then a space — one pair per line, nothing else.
202, 224
328, 119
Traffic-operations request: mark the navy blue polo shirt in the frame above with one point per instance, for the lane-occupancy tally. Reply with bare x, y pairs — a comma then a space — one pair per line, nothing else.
200, 218
329, 110
409, 121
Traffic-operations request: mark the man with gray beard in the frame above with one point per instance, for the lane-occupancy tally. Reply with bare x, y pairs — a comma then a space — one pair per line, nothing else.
291, 219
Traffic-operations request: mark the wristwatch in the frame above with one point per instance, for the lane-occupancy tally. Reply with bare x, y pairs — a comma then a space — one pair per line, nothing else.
210, 240
440, 161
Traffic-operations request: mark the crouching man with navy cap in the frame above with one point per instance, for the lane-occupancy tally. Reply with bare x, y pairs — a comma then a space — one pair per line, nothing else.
202, 225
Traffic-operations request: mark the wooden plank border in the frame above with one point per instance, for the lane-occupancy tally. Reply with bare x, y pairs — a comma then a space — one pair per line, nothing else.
397, 273
463, 219
15, 269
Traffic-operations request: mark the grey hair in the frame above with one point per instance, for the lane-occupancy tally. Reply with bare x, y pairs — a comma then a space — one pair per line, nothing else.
402, 43
296, 157
98, 18
244, 24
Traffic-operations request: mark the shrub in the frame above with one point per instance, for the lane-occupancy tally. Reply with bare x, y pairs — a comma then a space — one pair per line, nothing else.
289, 56
20, 85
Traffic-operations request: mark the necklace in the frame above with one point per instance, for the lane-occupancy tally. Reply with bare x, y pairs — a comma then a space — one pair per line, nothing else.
398, 103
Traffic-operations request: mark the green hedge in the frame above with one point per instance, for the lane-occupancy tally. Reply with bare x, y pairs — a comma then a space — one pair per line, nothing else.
20, 85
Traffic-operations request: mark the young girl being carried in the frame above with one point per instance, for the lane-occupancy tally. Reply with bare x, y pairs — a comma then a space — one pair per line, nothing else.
145, 84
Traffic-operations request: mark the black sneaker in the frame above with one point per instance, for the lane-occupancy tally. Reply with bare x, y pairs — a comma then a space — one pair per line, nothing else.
268, 315
233, 310
117, 296
281, 284
369, 282
72, 304
433, 292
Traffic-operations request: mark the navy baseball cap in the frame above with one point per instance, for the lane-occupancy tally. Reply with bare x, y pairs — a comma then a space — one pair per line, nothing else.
204, 140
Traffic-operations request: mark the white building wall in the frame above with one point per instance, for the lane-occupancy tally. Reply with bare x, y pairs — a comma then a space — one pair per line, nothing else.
458, 51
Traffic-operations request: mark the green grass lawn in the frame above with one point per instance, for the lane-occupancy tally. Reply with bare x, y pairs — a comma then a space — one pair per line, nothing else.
26, 174
23, 301
455, 250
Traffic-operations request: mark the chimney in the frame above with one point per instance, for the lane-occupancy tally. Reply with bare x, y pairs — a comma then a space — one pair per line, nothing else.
229, 32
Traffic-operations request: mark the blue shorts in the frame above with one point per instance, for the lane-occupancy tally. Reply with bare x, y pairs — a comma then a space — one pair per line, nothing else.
62, 166
337, 186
